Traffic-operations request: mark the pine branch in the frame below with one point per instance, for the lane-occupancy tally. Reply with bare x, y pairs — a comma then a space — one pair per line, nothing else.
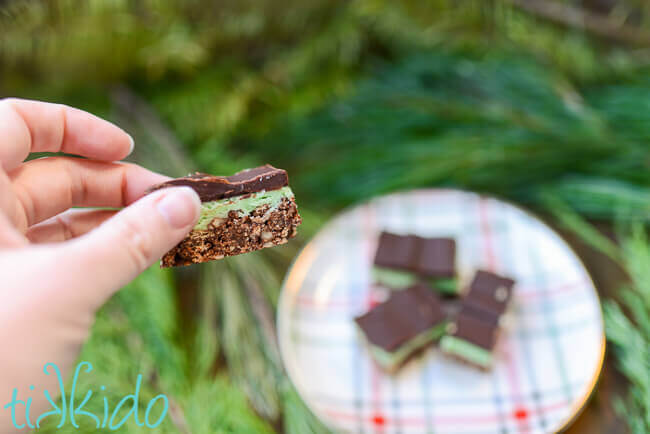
298, 419
497, 123
263, 313
205, 349
581, 19
628, 320
242, 342
156, 146
177, 415
572, 221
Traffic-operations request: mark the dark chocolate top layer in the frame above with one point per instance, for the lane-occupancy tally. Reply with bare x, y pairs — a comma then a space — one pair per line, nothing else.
476, 329
430, 257
437, 257
396, 251
471, 309
210, 187
406, 314
489, 291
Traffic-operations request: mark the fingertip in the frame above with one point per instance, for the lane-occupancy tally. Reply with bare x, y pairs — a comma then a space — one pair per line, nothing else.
180, 207
94, 137
131, 144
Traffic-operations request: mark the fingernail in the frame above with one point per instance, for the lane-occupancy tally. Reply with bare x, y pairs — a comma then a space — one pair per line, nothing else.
180, 207
132, 144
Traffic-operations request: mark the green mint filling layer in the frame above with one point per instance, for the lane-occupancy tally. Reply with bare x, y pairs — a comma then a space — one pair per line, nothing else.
399, 279
221, 208
445, 285
466, 350
389, 360
393, 278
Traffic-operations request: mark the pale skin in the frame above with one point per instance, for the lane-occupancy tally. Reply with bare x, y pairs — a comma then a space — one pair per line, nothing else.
59, 265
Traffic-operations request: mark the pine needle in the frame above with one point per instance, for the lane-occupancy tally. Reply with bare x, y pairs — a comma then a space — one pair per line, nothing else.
242, 343
572, 221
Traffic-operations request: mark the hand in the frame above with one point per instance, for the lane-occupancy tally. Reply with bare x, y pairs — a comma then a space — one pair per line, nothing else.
58, 266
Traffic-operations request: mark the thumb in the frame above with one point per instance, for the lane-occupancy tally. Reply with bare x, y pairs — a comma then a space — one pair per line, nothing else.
122, 247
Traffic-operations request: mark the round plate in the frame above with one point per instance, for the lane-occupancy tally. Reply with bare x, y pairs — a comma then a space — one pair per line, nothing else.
547, 361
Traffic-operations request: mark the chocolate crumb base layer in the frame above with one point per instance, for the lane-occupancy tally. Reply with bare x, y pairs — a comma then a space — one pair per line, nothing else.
238, 233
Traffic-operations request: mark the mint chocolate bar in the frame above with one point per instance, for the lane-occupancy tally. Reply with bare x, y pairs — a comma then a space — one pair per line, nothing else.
250, 210
490, 292
471, 337
394, 260
402, 260
403, 325
473, 333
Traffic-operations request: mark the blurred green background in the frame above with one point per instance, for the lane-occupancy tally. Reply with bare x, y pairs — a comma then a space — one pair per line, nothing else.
545, 103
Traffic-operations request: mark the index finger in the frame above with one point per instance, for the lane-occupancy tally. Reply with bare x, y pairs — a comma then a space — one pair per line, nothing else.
32, 126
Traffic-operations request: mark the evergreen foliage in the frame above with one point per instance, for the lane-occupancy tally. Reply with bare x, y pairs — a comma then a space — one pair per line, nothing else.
355, 99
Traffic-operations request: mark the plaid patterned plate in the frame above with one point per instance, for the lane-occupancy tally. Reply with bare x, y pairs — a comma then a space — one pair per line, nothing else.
547, 362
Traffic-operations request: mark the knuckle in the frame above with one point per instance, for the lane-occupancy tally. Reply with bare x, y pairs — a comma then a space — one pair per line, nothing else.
137, 241
67, 231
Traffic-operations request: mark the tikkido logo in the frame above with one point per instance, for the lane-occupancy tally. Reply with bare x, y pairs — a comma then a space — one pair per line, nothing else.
67, 410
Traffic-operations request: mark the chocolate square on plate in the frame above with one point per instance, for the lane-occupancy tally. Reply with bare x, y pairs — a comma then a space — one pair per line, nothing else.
436, 257
473, 333
396, 251
490, 292
402, 260
394, 260
404, 324
471, 337
436, 261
